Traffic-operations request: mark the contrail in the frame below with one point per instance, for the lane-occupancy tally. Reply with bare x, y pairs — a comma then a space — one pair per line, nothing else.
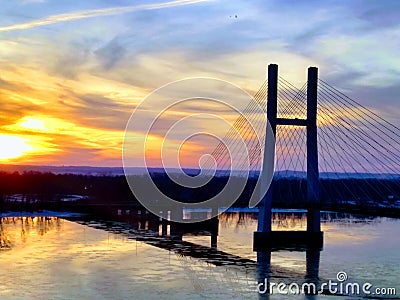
95, 13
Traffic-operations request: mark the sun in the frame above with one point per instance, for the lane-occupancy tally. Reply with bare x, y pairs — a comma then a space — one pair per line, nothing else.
32, 123
13, 147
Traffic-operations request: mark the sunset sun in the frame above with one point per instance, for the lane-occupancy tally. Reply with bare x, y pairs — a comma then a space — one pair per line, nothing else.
13, 147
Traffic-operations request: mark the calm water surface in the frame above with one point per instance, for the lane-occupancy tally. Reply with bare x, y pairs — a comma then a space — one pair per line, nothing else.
53, 258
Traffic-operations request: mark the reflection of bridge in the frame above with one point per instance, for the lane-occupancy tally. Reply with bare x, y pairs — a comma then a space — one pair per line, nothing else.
145, 227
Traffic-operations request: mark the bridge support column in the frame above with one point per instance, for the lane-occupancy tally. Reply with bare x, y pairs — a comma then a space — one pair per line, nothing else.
313, 199
265, 213
265, 238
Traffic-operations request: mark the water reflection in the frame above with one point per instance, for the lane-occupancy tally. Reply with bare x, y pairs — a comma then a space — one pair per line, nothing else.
263, 274
22, 227
5, 242
189, 262
296, 220
268, 280
174, 238
313, 258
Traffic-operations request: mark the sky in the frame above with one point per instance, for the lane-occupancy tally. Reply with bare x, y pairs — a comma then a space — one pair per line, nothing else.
73, 72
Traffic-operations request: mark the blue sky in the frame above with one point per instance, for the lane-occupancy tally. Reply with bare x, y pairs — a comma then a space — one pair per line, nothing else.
86, 63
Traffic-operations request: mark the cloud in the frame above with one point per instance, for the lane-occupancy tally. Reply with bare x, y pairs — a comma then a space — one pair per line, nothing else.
100, 112
33, 1
8, 85
111, 53
353, 54
95, 76
95, 13
380, 16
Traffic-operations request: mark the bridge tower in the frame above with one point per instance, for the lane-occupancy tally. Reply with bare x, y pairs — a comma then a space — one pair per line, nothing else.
265, 238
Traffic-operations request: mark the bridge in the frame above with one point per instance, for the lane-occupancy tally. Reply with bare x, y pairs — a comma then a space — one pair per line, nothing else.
330, 148
264, 237
327, 148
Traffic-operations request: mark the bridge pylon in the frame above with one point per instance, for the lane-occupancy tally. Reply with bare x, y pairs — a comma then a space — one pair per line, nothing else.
264, 237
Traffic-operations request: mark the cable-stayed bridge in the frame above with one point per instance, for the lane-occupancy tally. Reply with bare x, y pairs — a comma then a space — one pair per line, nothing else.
329, 147
322, 146
353, 141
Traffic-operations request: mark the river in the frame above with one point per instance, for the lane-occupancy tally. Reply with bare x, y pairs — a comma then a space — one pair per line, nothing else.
56, 258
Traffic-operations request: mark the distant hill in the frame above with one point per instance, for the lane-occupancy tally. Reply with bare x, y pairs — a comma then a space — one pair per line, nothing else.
332, 175
86, 170
117, 171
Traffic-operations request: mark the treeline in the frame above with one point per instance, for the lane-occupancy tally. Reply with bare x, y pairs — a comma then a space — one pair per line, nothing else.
50, 187
292, 192
287, 192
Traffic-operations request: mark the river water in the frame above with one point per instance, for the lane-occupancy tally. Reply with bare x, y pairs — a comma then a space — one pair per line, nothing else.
55, 258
